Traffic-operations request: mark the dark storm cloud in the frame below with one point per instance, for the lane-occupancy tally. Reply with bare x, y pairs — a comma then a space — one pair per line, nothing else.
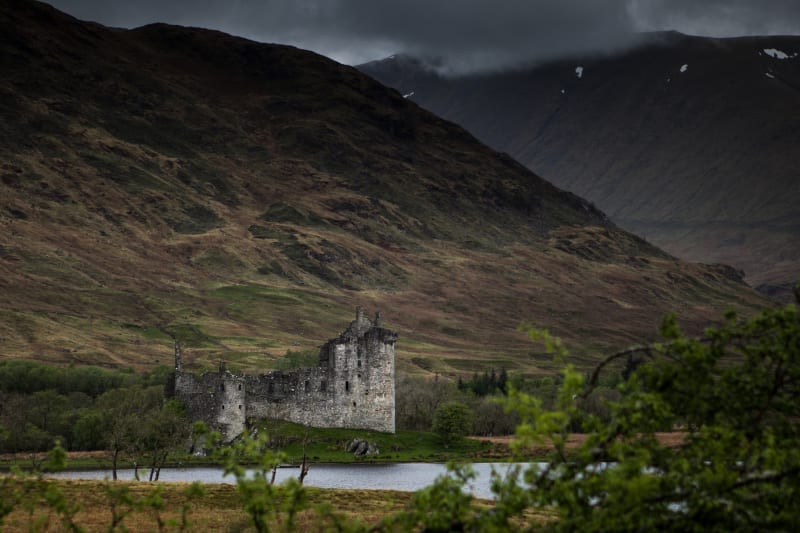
465, 34
718, 18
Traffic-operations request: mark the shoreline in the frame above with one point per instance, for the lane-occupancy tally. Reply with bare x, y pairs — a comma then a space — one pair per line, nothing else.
501, 452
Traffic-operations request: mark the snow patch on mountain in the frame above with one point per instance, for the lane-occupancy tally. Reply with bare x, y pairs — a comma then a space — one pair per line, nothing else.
684, 67
776, 54
579, 71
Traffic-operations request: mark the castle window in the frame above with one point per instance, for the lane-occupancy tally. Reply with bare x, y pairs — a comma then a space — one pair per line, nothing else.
359, 363
223, 407
240, 386
323, 386
271, 387
347, 386
354, 404
240, 407
222, 387
308, 386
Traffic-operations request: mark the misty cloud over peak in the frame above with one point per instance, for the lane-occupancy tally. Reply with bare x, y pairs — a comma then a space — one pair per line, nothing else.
465, 35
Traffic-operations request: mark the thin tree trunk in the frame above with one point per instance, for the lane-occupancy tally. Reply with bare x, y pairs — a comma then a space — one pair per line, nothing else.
153, 466
162, 461
114, 464
304, 464
303, 469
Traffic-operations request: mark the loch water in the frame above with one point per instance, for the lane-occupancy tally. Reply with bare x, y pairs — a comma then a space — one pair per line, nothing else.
385, 476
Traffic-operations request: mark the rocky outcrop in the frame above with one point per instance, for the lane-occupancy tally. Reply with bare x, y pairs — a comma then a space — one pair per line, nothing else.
360, 447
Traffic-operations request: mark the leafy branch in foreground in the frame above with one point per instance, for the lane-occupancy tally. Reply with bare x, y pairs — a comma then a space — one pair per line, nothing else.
446, 506
30, 491
733, 399
46, 506
254, 465
734, 395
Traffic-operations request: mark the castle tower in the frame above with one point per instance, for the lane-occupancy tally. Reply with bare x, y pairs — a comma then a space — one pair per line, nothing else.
360, 325
231, 403
362, 360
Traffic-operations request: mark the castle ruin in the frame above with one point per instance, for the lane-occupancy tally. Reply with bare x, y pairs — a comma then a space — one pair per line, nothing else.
351, 387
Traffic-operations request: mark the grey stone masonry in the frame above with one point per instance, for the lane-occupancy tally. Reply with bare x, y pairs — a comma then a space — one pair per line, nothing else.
352, 387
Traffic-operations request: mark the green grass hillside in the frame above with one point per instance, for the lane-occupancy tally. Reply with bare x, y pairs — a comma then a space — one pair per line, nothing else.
169, 182
690, 141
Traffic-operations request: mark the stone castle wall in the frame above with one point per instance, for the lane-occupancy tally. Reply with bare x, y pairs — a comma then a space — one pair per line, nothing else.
352, 387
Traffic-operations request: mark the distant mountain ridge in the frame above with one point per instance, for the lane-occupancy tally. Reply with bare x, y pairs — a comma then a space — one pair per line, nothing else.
170, 183
690, 142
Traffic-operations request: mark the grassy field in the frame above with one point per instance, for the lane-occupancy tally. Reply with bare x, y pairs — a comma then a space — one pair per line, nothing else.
218, 508
328, 445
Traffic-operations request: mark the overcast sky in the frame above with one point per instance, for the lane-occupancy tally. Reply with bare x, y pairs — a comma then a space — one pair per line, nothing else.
467, 34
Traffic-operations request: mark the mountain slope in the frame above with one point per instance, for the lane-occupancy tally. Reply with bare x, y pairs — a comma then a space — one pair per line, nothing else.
169, 182
691, 142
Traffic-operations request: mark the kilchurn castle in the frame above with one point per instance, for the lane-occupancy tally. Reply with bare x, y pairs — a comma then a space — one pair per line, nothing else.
352, 387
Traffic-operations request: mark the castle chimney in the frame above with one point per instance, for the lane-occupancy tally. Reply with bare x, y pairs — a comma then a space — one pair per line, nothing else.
178, 358
222, 367
359, 314
378, 320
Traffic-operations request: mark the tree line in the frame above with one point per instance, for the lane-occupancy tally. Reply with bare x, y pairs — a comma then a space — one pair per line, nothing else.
89, 408
482, 399
486, 384
28, 377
